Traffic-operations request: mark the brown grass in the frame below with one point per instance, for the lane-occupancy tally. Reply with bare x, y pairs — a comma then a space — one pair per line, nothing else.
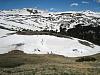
47, 64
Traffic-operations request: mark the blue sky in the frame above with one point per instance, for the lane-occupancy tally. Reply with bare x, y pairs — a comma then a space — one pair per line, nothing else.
52, 5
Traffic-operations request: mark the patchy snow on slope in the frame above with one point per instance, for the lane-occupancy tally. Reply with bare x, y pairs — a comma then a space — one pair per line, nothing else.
21, 19
46, 44
5, 32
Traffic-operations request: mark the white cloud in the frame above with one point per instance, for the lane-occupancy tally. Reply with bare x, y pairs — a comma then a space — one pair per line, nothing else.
98, 1
74, 4
84, 2
51, 9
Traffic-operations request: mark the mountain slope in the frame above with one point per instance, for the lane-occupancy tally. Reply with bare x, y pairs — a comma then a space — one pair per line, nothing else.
53, 23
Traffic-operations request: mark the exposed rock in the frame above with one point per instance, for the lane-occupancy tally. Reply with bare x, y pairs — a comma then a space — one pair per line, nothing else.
16, 52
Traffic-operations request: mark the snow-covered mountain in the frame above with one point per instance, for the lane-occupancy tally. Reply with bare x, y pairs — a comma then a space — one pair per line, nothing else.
32, 20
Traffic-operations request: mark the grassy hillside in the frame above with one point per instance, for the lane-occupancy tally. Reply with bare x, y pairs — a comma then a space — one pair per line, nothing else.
49, 64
